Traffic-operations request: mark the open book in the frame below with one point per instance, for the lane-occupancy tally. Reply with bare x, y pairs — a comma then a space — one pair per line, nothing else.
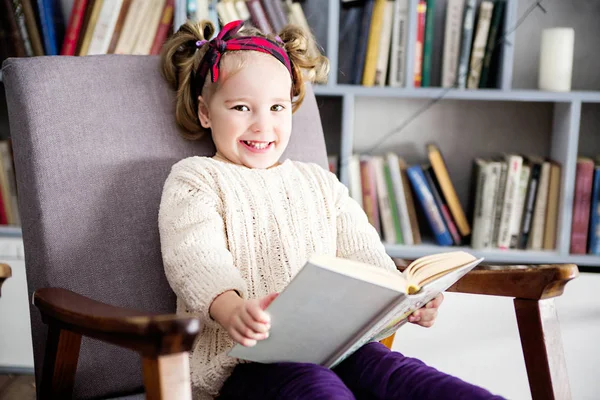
333, 306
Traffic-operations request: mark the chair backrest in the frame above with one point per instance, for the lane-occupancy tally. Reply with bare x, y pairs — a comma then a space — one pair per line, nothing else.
94, 139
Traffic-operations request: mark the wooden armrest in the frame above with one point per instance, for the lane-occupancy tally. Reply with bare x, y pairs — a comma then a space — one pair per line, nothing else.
147, 333
5, 273
534, 282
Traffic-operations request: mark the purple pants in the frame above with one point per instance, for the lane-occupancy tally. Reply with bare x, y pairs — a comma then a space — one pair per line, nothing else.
373, 372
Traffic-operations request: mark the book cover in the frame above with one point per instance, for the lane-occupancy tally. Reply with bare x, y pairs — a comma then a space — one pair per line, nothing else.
353, 302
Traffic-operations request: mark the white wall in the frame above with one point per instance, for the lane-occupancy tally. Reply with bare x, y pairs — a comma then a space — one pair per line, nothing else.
16, 351
476, 338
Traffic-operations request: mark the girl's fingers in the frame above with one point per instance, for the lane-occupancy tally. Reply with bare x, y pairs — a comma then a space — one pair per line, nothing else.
244, 341
247, 331
257, 326
428, 315
253, 308
435, 303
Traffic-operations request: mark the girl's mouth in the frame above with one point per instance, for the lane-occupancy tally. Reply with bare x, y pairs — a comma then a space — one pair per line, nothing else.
257, 147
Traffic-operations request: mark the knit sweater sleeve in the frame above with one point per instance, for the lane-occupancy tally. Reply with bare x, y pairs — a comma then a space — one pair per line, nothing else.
357, 239
197, 262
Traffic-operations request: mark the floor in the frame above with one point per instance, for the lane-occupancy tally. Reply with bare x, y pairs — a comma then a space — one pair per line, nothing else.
17, 387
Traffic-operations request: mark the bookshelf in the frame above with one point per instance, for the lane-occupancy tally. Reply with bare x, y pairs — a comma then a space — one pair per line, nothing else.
557, 125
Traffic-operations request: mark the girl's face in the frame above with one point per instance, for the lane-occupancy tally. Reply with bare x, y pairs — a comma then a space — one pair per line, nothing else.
250, 113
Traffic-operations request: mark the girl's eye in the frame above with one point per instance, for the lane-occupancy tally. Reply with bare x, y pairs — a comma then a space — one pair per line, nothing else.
277, 107
241, 108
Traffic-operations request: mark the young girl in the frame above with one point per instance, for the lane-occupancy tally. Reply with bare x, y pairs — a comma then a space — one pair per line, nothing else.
235, 228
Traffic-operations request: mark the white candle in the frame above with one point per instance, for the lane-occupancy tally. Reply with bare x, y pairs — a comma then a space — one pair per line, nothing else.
556, 59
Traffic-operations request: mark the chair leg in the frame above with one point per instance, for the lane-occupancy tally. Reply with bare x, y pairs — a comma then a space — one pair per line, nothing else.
542, 348
167, 377
60, 364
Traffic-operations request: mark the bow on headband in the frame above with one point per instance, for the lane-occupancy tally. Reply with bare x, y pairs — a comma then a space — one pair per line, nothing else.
225, 42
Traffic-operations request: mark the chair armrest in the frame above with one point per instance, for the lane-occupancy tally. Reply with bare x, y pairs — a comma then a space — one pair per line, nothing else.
145, 332
534, 282
5, 273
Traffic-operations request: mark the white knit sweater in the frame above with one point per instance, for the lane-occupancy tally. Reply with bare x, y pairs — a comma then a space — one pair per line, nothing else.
225, 226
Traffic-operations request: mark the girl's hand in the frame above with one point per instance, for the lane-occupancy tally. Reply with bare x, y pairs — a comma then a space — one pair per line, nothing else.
248, 322
425, 316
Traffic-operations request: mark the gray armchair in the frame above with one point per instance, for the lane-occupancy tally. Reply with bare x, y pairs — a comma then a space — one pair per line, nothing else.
94, 139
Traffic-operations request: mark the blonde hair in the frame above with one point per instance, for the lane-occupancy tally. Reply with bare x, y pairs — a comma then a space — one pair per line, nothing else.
180, 59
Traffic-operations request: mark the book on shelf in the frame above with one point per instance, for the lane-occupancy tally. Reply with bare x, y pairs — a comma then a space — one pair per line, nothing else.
333, 306
514, 201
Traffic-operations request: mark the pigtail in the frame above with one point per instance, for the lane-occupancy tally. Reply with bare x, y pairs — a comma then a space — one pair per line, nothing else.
180, 58
308, 64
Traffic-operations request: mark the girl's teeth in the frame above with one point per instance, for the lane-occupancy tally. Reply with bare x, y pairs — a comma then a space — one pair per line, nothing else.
257, 145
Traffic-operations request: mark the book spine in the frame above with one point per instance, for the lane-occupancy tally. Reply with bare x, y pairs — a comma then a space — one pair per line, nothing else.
384, 45
442, 205
269, 9
369, 192
242, 10
497, 214
22, 25
105, 26
74, 26
465, 48
394, 165
421, 14
385, 209
363, 42
350, 18
447, 189
498, 14
258, 16
398, 47
510, 198
490, 195
373, 49
410, 203
515, 226
428, 43
481, 35
581, 206
594, 235
532, 190
163, 29
9, 31
425, 197
452, 35
393, 202
539, 212
46, 11
551, 223
477, 236
355, 184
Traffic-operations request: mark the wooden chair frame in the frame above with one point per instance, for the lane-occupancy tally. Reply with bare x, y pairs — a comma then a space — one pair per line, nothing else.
163, 341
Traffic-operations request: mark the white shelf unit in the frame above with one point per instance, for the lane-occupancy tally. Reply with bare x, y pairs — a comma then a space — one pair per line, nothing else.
566, 114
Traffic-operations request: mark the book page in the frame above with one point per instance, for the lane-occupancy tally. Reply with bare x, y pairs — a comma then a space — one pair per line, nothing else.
406, 305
